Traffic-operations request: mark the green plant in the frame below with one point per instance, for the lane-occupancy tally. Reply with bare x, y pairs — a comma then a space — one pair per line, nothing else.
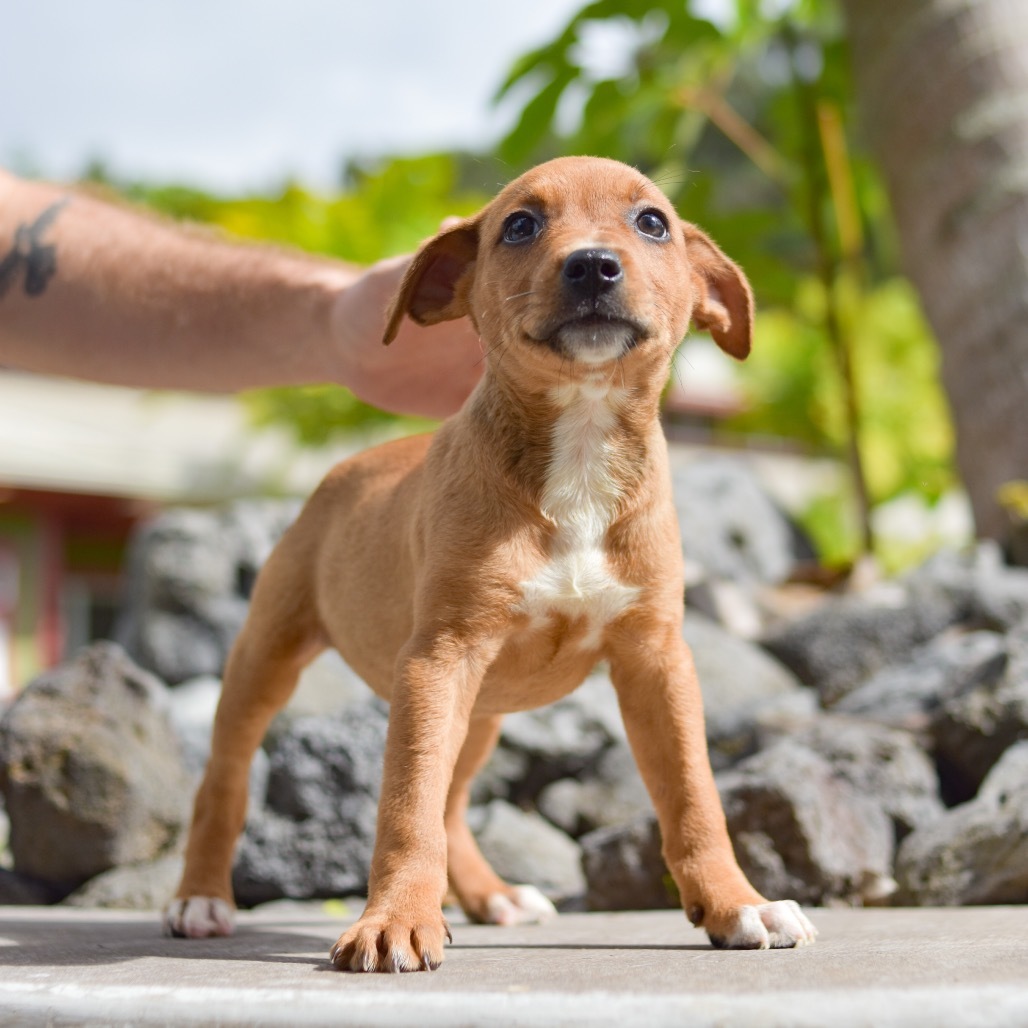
745, 123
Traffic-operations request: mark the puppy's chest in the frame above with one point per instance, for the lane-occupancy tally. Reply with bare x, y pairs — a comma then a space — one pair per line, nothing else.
580, 499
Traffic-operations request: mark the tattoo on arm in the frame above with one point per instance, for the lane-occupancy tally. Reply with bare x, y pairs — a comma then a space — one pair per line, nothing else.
39, 259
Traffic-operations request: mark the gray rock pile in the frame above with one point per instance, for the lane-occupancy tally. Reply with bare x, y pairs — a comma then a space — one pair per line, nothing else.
871, 750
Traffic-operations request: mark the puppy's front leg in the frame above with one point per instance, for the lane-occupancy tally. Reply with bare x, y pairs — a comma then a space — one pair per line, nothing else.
653, 673
402, 928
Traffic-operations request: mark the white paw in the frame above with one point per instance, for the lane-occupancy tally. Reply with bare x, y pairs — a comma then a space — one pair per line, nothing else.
199, 917
780, 925
528, 906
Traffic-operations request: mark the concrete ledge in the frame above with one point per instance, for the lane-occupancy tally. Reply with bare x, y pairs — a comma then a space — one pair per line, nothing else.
965, 966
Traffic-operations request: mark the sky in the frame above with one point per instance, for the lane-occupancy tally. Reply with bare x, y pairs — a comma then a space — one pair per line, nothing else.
237, 95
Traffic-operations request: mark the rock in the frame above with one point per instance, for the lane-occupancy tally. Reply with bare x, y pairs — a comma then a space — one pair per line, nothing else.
5, 833
568, 739
784, 717
191, 706
977, 852
730, 526
811, 819
880, 762
541, 746
838, 646
133, 887
506, 775
178, 646
91, 770
314, 834
737, 679
802, 832
737, 608
624, 868
987, 592
974, 728
907, 695
328, 684
189, 577
611, 794
567, 805
23, 890
1009, 775
525, 849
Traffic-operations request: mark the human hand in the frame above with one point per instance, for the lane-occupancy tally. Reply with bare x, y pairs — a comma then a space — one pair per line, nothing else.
428, 371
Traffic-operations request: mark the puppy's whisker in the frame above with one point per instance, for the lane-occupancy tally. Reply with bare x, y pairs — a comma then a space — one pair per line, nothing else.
488, 351
676, 370
518, 296
500, 350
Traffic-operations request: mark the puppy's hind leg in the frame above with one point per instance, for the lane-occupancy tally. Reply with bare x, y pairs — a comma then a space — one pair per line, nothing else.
482, 894
274, 646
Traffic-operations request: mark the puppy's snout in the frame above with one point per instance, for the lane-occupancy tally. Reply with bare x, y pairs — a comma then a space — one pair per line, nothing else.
592, 271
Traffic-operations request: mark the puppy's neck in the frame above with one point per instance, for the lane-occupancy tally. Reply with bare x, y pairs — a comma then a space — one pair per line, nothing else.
586, 440
571, 442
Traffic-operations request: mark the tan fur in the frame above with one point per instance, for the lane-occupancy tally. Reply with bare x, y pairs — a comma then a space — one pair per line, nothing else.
489, 567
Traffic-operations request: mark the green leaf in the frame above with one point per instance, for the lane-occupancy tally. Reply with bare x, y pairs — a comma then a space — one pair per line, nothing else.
536, 118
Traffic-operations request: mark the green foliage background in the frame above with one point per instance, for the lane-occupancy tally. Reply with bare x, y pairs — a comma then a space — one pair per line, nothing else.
748, 125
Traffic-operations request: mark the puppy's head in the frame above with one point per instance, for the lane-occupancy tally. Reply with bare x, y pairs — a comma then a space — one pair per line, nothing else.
581, 259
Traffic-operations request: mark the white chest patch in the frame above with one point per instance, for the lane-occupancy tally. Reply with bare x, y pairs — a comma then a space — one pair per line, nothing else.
580, 498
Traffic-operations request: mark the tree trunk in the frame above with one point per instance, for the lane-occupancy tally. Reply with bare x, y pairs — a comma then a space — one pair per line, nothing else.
943, 86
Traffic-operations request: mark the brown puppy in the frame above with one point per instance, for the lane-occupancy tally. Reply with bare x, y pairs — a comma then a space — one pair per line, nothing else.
488, 568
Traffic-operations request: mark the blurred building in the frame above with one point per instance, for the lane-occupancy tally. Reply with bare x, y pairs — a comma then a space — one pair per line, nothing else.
80, 465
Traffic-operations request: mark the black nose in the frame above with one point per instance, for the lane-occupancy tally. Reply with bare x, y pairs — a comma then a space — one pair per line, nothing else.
592, 271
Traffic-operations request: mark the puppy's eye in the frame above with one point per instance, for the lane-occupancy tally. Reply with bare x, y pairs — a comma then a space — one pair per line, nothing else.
519, 227
652, 224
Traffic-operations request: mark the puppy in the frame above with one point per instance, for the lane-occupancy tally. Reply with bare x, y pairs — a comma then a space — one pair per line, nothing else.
488, 568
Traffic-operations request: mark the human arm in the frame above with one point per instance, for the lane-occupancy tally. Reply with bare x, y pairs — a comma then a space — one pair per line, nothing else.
93, 290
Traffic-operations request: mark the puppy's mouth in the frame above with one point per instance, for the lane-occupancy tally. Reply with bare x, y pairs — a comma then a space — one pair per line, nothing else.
593, 338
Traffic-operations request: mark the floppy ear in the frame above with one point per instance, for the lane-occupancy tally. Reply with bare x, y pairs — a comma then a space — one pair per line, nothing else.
724, 301
437, 281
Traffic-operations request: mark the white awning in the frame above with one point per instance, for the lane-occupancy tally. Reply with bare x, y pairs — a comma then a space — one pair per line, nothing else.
69, 436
